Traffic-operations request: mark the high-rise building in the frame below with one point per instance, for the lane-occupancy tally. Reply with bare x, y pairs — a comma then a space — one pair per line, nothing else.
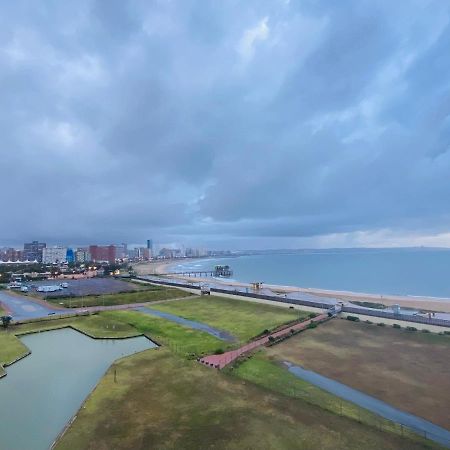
54, 255
33, 251
195, 252
145, 253
150, 245
170, 253
121, 251
70, 255
103, 253
10, 254
82, 255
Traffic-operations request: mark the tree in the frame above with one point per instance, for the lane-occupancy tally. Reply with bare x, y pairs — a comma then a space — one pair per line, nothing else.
5, 321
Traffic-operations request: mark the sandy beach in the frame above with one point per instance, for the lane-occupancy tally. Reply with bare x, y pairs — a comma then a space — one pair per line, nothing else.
158, 267
417, 302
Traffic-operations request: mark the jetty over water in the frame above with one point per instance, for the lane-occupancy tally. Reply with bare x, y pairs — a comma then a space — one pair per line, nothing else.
219, 271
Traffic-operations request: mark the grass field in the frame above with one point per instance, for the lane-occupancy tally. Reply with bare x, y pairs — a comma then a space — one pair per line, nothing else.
240, 318
161, 401
151, 294
11, 348
96, 325
179, 338
410, 370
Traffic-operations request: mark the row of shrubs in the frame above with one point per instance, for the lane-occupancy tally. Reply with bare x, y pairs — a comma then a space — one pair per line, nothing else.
267, 331
273, 340
395, 325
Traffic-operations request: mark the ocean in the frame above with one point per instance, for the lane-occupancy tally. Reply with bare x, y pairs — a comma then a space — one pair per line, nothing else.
420, 272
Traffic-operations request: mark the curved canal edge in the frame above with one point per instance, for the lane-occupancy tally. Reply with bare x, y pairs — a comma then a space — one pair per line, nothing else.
4, 365
414, 423
220, 334
88, 396
3, 371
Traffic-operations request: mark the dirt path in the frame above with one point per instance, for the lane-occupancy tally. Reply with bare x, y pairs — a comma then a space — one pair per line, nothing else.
220, 361
189, 297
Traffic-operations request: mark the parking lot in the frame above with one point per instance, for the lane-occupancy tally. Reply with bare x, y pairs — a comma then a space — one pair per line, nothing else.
82, 287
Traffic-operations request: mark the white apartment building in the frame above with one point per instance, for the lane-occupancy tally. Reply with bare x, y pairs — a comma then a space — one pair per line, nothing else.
82, 256
53, 255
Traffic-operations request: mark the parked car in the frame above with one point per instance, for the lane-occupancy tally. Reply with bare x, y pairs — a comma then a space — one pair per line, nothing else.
205, 289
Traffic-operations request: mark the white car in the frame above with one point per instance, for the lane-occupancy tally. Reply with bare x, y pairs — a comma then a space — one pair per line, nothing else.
205, 289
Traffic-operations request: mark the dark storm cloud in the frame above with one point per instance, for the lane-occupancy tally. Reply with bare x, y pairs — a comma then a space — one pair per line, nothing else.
220, 121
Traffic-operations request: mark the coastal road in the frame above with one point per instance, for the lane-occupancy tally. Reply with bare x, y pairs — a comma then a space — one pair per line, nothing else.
21, 307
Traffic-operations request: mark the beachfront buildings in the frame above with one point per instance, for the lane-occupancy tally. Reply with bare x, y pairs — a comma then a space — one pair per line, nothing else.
103, 253
54, 255
82, 255
32, 251
10, 254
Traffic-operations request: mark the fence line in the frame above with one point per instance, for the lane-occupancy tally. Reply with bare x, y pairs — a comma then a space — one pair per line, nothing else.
406, 317
312, 303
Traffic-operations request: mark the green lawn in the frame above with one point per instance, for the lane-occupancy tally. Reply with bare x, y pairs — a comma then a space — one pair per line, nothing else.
161, 401
241, 318
11, 348
180, 339
96, 325
151, 294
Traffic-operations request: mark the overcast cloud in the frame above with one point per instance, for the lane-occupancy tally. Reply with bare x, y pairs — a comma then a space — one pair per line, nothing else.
226, 123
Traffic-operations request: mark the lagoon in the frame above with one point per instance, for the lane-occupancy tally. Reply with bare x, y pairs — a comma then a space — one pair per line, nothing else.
43, 391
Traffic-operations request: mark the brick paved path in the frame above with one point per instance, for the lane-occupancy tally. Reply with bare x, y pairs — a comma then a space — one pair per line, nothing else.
220, 361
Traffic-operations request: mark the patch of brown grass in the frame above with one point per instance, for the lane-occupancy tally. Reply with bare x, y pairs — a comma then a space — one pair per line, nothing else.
410, 370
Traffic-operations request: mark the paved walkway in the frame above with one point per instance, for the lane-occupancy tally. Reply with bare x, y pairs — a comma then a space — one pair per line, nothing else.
21, 307
220, 361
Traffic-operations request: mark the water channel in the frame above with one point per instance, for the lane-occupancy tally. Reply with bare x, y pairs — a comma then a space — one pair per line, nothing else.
421, 426
220, 334
43, 391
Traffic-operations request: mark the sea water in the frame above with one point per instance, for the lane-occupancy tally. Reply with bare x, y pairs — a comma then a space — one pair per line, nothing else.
420, 272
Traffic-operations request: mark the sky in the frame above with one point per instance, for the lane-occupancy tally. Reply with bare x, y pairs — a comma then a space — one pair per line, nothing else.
226, 124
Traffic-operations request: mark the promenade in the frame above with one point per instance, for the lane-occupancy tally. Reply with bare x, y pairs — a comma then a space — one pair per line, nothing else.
220, 361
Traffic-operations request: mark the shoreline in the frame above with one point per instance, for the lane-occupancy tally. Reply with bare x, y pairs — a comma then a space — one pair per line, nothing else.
163, 266
437, 304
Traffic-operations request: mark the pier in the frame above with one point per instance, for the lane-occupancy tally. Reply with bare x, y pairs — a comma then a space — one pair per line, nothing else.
194, 273
219, 271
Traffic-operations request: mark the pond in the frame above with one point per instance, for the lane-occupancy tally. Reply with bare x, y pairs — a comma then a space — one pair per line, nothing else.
43, 391
421, 426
